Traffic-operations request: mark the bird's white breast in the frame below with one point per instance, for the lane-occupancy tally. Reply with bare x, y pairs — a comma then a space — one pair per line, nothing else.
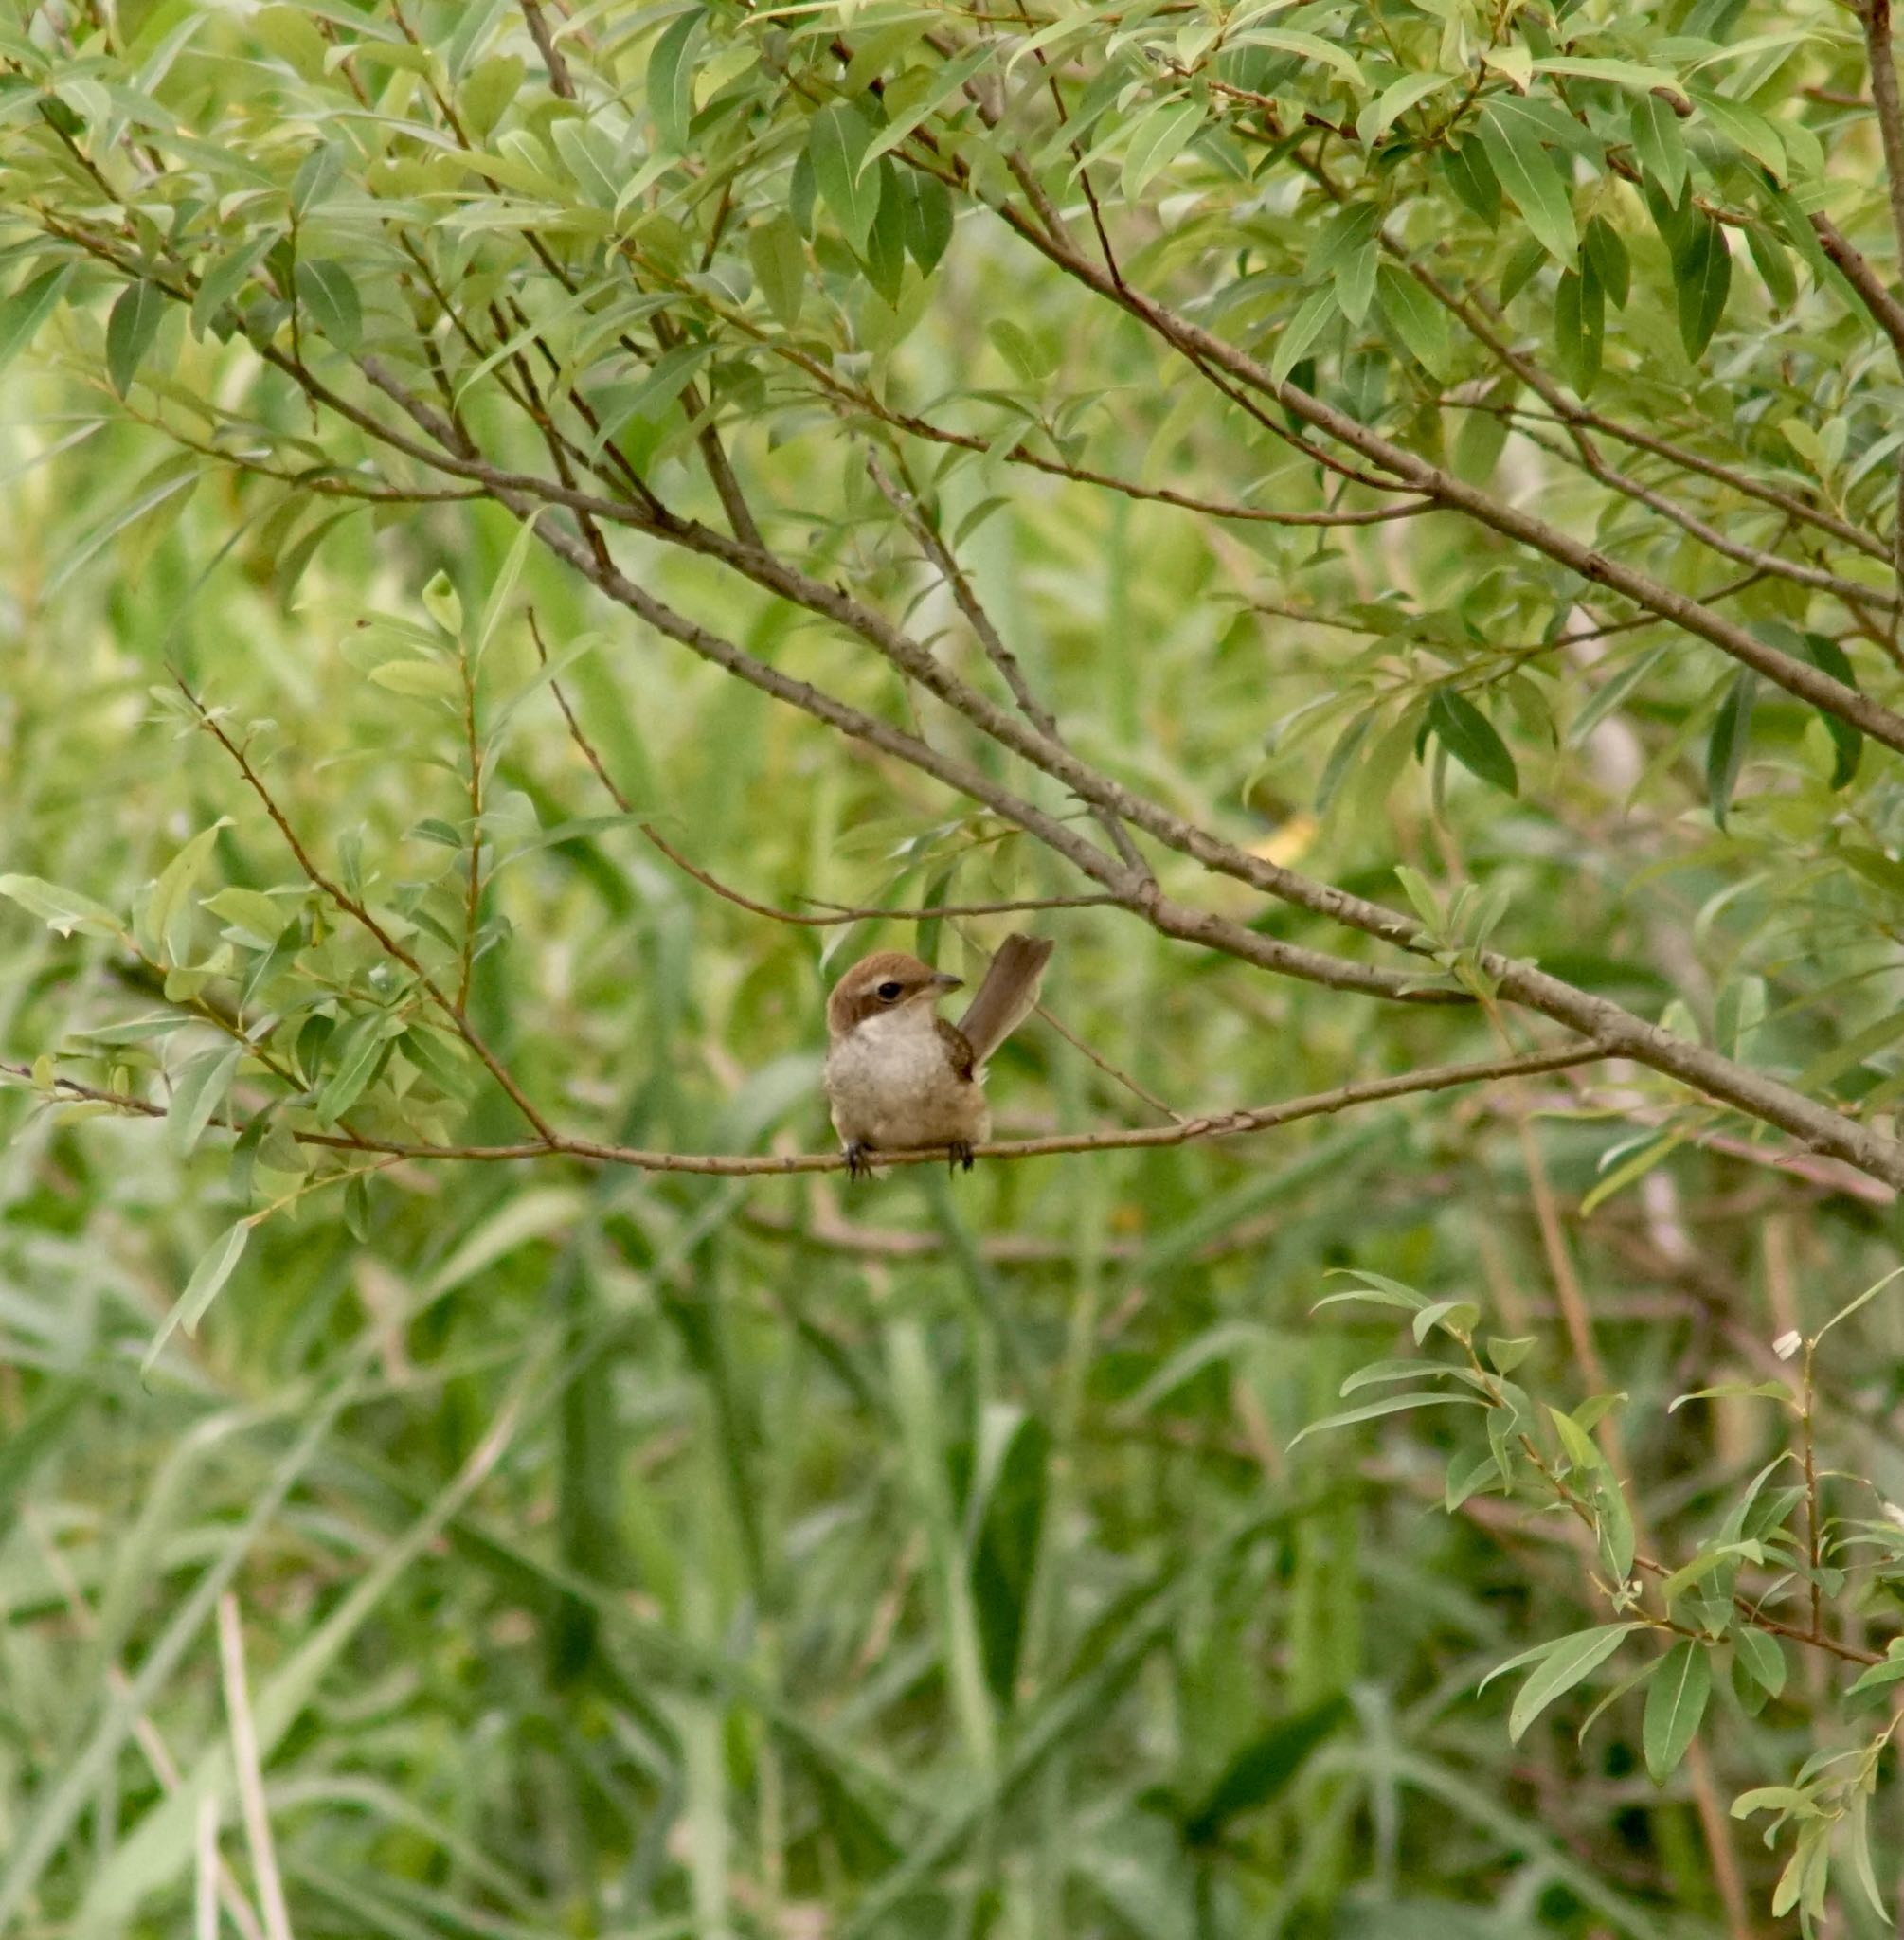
891, 1085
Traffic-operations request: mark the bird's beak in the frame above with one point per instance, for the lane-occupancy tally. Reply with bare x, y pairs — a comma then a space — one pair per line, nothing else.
944, 981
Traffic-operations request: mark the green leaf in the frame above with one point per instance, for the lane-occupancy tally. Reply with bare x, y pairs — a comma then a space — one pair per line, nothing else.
166, 920
1530, 174
1354, 283
129, 329
927, 204
1760, 1658
359, 1050
1703, 273
330, 295
441, 602
1264, 1768
1417, 319
1613, 1523
1157, 140
1726, 751
1523, 266
1456, 1318
1676, 1701
1774, 265
1471, 175
213, 1269
779, 259
1393, 1404
1559, 1665
1470, 737
1745, 129
1580, 327
198, 1094
27, 308
502, 590
1505, 1355
649, 398
886, 239
1880, 1677
1576, 1442
65, 910
670, 78
836, 138
1847, 742
318, 174
1659, 144
1395, 101
1301, 332
1606, 251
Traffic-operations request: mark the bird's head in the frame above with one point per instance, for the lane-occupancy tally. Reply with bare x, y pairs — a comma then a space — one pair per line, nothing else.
887, 981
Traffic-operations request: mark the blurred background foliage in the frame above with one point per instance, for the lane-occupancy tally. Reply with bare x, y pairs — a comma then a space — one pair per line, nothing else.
611, 1552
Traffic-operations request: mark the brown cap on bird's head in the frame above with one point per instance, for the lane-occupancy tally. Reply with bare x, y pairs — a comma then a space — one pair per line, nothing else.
885, 982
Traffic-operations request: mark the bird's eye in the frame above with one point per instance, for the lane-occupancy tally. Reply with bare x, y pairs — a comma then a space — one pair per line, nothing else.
888, 991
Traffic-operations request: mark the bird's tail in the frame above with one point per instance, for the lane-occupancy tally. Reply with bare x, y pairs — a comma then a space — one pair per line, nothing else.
1006, 995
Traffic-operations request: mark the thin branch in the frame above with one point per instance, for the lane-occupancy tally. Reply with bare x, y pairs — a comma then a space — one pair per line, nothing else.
1208, 352
358, 911
907, 503
835, 914
1222, 1124
560, 82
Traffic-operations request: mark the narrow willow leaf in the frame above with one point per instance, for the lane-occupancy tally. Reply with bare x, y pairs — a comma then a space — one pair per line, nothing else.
779, 259
836, 138
1659, 144
27, 308
925, 204
129, 329
1675, 1705
1301, 332
1157, 140
208, 1277
199, 1093
1607, 251
670, 78
1417, 319
1471, 175
1565, 1662
1395, 1404
1774, 265
330, 295
1847, 742
65, 910
1530, 174
1470, 737
1726, 751
1395, 101
1760, 1658
1703, 273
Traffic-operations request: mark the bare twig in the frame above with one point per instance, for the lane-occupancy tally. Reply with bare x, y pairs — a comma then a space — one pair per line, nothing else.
1221, 1124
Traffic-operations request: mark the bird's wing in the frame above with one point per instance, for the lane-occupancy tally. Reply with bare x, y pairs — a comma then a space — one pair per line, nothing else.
958, 1049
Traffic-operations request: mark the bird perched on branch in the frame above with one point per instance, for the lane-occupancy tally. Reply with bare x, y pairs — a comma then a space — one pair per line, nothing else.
898, 1076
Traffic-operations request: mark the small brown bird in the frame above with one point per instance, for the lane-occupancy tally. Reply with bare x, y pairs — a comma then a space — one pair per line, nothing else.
898, 1076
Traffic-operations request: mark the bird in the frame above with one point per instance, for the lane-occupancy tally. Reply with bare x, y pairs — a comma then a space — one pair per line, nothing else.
899, 1077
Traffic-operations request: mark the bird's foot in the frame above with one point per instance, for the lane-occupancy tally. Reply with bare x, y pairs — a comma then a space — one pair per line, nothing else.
858, 1158
958, 1157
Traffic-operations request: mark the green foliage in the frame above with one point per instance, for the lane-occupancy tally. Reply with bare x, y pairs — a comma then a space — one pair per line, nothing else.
1437, 468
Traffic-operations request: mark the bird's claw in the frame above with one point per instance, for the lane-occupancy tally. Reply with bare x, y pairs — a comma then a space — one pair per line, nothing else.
958, 1157
858, 1160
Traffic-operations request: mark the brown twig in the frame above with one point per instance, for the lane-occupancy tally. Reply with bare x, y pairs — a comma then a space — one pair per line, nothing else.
1222, 1124
360, 913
